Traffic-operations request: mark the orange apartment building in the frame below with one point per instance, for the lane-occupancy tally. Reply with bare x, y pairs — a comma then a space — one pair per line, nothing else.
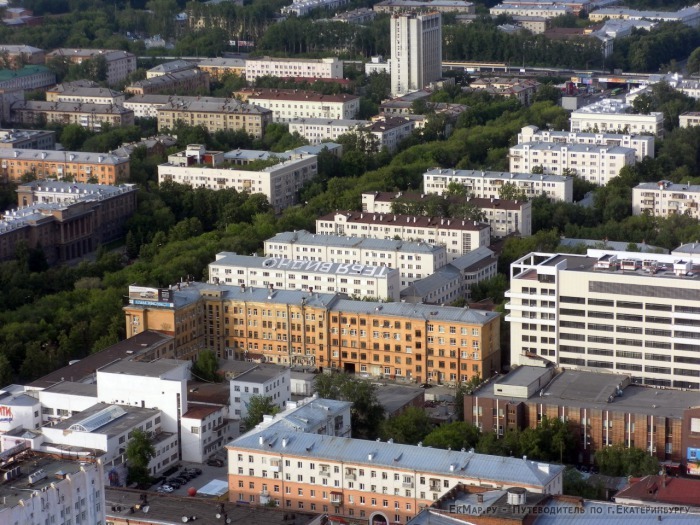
370, 481
77, 166
292, 327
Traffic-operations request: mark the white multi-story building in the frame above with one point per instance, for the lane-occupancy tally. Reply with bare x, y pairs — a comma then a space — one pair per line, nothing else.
291, 104
377, 64
504, 216
441, 6
18, 410
44, 489
174, 66
279, 179
486, 184
357, 280
304, 7
688, 87
388, 132
293, 68
205, 429
664, 198
614, 116
414, 260
313, 415
459, 236
688, 119
596, 164
82, 92
624, 312
66, 399
643, 145
120, 64
416, 51
269, 381
146, 106
542, 11
317, 130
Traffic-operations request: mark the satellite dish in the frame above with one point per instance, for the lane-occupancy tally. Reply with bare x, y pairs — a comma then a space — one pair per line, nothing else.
185, 519
145, 509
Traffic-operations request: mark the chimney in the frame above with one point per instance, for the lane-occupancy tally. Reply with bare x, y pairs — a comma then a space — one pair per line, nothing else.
479, 498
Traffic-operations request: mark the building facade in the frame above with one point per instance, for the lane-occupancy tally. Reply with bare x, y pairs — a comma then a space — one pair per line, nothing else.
441, 6
541, 11
356, 280
620, 312
523, 90
280, 180
19, 55
215, 114
290, 104
78, 92
373, 481
317, 130
643, 145
613, 116
27, 139
487, 184
28, 78
268, 381
293, 68
411, 342
120, 64
690, 118
596, 164
414, 260
98, 168
416, 51
457, 235
665, 198
189, 81
219, 67
91, 116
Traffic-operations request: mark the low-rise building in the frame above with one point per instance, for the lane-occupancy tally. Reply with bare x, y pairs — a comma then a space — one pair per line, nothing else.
388, 132
361, 15
174, 66
215, 114
523, 90
146, 105
65, 399
643, 145
66, 220
377, 64
535, 24
665, 198
84, 92
305, 7
290, 104
689, 16
459, 236
662, 490
19, 55
539, 10
506, 217
205, 429
318, 130
27, 139
602, 409
91, 116
368, 480
18, 409
100, 168
487, 184
313, 415
357, 280
596, 164
614, 116
277, 176
441, 6
689, 118
414, 260
293, 68
120, 64
220, 67
40, 487
273, 382
189, 81
28, 78
454, 280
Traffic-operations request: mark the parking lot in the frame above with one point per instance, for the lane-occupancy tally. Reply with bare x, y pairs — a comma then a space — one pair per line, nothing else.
208, 473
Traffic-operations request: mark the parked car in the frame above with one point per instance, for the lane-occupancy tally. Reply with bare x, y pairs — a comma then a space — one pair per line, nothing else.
165, 488
214, 462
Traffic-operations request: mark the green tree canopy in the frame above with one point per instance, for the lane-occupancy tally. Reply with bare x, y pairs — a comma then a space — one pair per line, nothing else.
259, 406
139, 452
206, 366
409, 427
618, 460
455, 436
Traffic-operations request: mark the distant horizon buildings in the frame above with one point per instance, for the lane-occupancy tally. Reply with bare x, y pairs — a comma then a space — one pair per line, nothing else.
416, 51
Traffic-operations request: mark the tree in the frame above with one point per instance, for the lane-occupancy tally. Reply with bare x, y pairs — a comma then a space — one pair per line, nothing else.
511, 192
6, 372
619, 460
456, 436
259, 406
366, 412
408, 427
139, 452
693, 64
206, 366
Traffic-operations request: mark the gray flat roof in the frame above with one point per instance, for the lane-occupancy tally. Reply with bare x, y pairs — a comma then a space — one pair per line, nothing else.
468, 465
522, 376
133, 416
578, 148
142, 368
581, 388
498, 175
418, 311
304, 237
75, 389
260, 374
393, 397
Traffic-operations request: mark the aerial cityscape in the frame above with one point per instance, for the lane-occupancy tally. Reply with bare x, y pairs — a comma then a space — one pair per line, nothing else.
343, 262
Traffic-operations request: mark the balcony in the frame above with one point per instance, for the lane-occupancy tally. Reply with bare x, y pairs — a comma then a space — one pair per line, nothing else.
435, 488
336, 498
350, 476
325, 473
407, 484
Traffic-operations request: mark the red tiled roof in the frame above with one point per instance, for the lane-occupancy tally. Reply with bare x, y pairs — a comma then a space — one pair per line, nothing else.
663, 489
199, 411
